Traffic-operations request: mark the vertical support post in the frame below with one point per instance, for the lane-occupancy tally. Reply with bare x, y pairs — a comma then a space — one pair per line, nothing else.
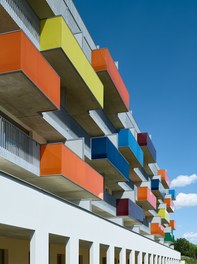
39, 247
72, 251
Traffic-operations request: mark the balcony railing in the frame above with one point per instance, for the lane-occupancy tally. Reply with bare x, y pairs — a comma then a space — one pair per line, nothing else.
18, 143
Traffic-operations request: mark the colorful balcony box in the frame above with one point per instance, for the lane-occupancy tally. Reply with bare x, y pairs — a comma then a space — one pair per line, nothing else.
172, 224
129, 210
68, 174
109, 161
147, 146
164, 215
32, 86
146, 199
157, 229
164, 178
170, 204
82, 89
157, 188
116, 93
169, 238
173, 194
130, 149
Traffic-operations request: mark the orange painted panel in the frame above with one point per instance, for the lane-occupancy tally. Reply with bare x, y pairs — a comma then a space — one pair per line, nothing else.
145, 194
157, 229
102, 61
17, 53
169, 203
59, 160
172, 224
164, 176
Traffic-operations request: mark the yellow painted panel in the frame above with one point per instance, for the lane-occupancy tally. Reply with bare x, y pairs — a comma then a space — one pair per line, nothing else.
164, 214
56, 34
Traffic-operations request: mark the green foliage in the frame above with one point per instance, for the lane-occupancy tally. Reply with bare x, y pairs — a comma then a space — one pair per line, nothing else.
186, 248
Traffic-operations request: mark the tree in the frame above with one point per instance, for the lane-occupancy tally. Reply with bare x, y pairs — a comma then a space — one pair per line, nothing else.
186, 248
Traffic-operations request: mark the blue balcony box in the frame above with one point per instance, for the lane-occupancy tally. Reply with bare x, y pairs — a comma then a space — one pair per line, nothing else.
108, 160
173, 194
157, 188
129, 147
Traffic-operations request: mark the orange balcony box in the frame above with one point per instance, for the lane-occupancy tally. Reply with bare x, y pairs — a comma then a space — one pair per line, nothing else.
172, 224
146, 199
28, 84
164, 178
170, 205
115, 92
57, 160
157, 229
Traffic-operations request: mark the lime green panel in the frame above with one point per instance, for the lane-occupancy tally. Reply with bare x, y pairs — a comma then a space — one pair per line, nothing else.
56, 34
164, 214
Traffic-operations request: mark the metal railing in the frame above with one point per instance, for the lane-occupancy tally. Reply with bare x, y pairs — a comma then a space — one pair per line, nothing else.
18, 143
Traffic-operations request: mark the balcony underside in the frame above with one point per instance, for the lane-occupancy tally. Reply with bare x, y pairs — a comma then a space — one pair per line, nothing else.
145, 205
158, 194
20, 97
41, 8
111, 175
63, 187
113, 104
74, 89
129, 155
7, 24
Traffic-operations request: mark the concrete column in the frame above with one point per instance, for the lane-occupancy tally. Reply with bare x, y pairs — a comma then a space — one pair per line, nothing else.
123, 256
159, 259
72, 251
132, 257
146, 258
139, 258
151, 259
39, 248
110, 255
95, 253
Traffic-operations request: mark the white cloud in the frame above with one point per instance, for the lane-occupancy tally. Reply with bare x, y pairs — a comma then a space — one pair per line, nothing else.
186, 200
190, 236
183, 180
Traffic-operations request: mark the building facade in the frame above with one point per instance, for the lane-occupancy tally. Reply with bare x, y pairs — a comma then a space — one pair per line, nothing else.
79, 181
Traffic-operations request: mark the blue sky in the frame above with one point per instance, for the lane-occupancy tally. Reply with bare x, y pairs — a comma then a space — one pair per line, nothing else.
155, 42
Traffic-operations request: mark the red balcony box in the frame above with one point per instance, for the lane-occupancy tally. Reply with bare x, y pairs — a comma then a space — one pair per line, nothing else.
170, 205
172, 224
115, 92
146, 199
164, 178
147, 146
157, 230
78, 179
28, 84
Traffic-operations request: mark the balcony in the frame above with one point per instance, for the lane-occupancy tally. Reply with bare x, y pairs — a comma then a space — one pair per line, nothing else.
116, 94
157, 230
147, 146
108, 161
19, 154
28, 84
130, 149
7, 24
172, 193
165, 217
132, 213
81, 89
169, 238
157, 188
146, 199
164, 178
67, 175
170, 205
172, 224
